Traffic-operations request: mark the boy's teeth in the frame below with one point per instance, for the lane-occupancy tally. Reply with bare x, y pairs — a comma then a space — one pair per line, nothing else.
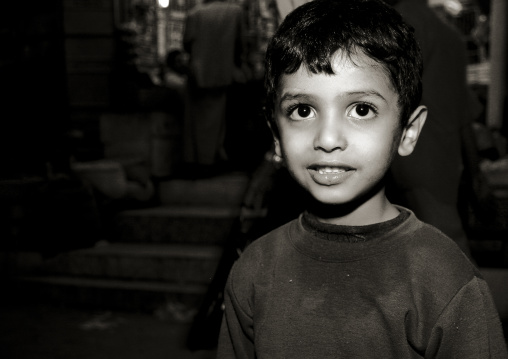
330, 170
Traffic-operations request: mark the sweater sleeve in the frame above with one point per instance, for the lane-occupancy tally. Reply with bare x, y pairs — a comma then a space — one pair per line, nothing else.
469, 326
236, 338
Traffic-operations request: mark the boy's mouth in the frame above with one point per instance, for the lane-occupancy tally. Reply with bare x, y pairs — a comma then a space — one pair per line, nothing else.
330, 167
325, 170
330, 175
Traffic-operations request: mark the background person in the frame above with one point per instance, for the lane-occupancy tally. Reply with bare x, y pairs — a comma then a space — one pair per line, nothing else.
428, 182
213, 38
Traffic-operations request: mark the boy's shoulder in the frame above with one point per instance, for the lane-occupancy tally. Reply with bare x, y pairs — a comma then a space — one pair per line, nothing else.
431, 253
265, 249
269, 244
414, 242
414, 235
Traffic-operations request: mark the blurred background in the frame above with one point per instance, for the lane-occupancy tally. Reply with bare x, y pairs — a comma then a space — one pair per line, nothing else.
110, 244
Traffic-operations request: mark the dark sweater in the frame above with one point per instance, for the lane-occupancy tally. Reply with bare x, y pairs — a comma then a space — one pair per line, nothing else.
398, 289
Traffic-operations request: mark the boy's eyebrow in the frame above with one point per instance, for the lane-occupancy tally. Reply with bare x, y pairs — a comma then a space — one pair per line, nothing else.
370, 93
298, 96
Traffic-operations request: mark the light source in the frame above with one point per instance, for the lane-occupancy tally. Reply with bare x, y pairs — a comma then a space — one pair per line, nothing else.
164, 3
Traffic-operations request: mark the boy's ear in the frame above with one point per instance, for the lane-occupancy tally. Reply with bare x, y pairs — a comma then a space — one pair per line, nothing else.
275, 134
412, 131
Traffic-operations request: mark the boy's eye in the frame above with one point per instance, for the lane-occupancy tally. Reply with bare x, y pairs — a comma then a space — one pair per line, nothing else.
362, 111
300, 112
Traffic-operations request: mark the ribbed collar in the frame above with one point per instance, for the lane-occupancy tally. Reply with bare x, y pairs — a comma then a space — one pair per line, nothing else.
334, 243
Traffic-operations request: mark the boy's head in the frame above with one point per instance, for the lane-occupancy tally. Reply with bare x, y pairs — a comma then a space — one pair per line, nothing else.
343, 79
314, 32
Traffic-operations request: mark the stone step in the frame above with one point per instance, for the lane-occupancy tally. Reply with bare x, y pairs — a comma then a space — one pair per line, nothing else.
176, 301
202, 224
144, 286
169, 278
224, 190
167, 263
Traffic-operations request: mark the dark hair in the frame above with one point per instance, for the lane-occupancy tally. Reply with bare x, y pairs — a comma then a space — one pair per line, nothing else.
313, 32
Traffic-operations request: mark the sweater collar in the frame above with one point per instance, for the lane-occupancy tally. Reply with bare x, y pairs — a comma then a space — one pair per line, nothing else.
351, 234
333, 243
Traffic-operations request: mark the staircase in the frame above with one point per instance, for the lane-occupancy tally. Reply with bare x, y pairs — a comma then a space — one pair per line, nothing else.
159, 259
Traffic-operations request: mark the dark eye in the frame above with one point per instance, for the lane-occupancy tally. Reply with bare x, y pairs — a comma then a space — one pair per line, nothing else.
301, 112
362, 111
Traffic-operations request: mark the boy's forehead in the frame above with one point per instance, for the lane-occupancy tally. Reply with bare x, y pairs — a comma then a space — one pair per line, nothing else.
342, 61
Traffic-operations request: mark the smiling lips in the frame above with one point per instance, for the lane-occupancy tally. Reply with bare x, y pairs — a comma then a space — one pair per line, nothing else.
330, 175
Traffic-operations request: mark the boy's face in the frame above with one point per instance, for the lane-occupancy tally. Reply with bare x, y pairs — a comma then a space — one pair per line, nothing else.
338, 133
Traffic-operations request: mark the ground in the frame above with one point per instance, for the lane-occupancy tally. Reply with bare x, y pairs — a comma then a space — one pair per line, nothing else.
43, 331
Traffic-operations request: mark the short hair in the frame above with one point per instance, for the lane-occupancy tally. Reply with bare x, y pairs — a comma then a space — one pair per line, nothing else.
312, 33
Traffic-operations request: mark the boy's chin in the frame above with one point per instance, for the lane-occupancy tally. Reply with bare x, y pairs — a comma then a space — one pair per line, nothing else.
333, 203
331, 209
329, 197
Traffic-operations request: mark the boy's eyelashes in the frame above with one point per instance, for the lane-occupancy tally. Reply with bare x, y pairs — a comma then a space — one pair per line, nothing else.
300, 112
360, 111
363, 111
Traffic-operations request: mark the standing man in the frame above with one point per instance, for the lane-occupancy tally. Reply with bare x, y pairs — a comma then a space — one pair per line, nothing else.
429, 182
212, 37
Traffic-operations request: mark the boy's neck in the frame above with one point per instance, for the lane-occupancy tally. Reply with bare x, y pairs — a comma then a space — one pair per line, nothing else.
375, 209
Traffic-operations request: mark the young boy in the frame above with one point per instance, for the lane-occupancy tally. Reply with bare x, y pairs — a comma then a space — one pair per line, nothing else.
354, 276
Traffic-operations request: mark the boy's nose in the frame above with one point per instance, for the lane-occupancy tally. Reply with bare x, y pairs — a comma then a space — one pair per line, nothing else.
330, 135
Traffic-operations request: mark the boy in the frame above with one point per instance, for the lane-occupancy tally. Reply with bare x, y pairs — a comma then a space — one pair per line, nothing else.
354, 276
